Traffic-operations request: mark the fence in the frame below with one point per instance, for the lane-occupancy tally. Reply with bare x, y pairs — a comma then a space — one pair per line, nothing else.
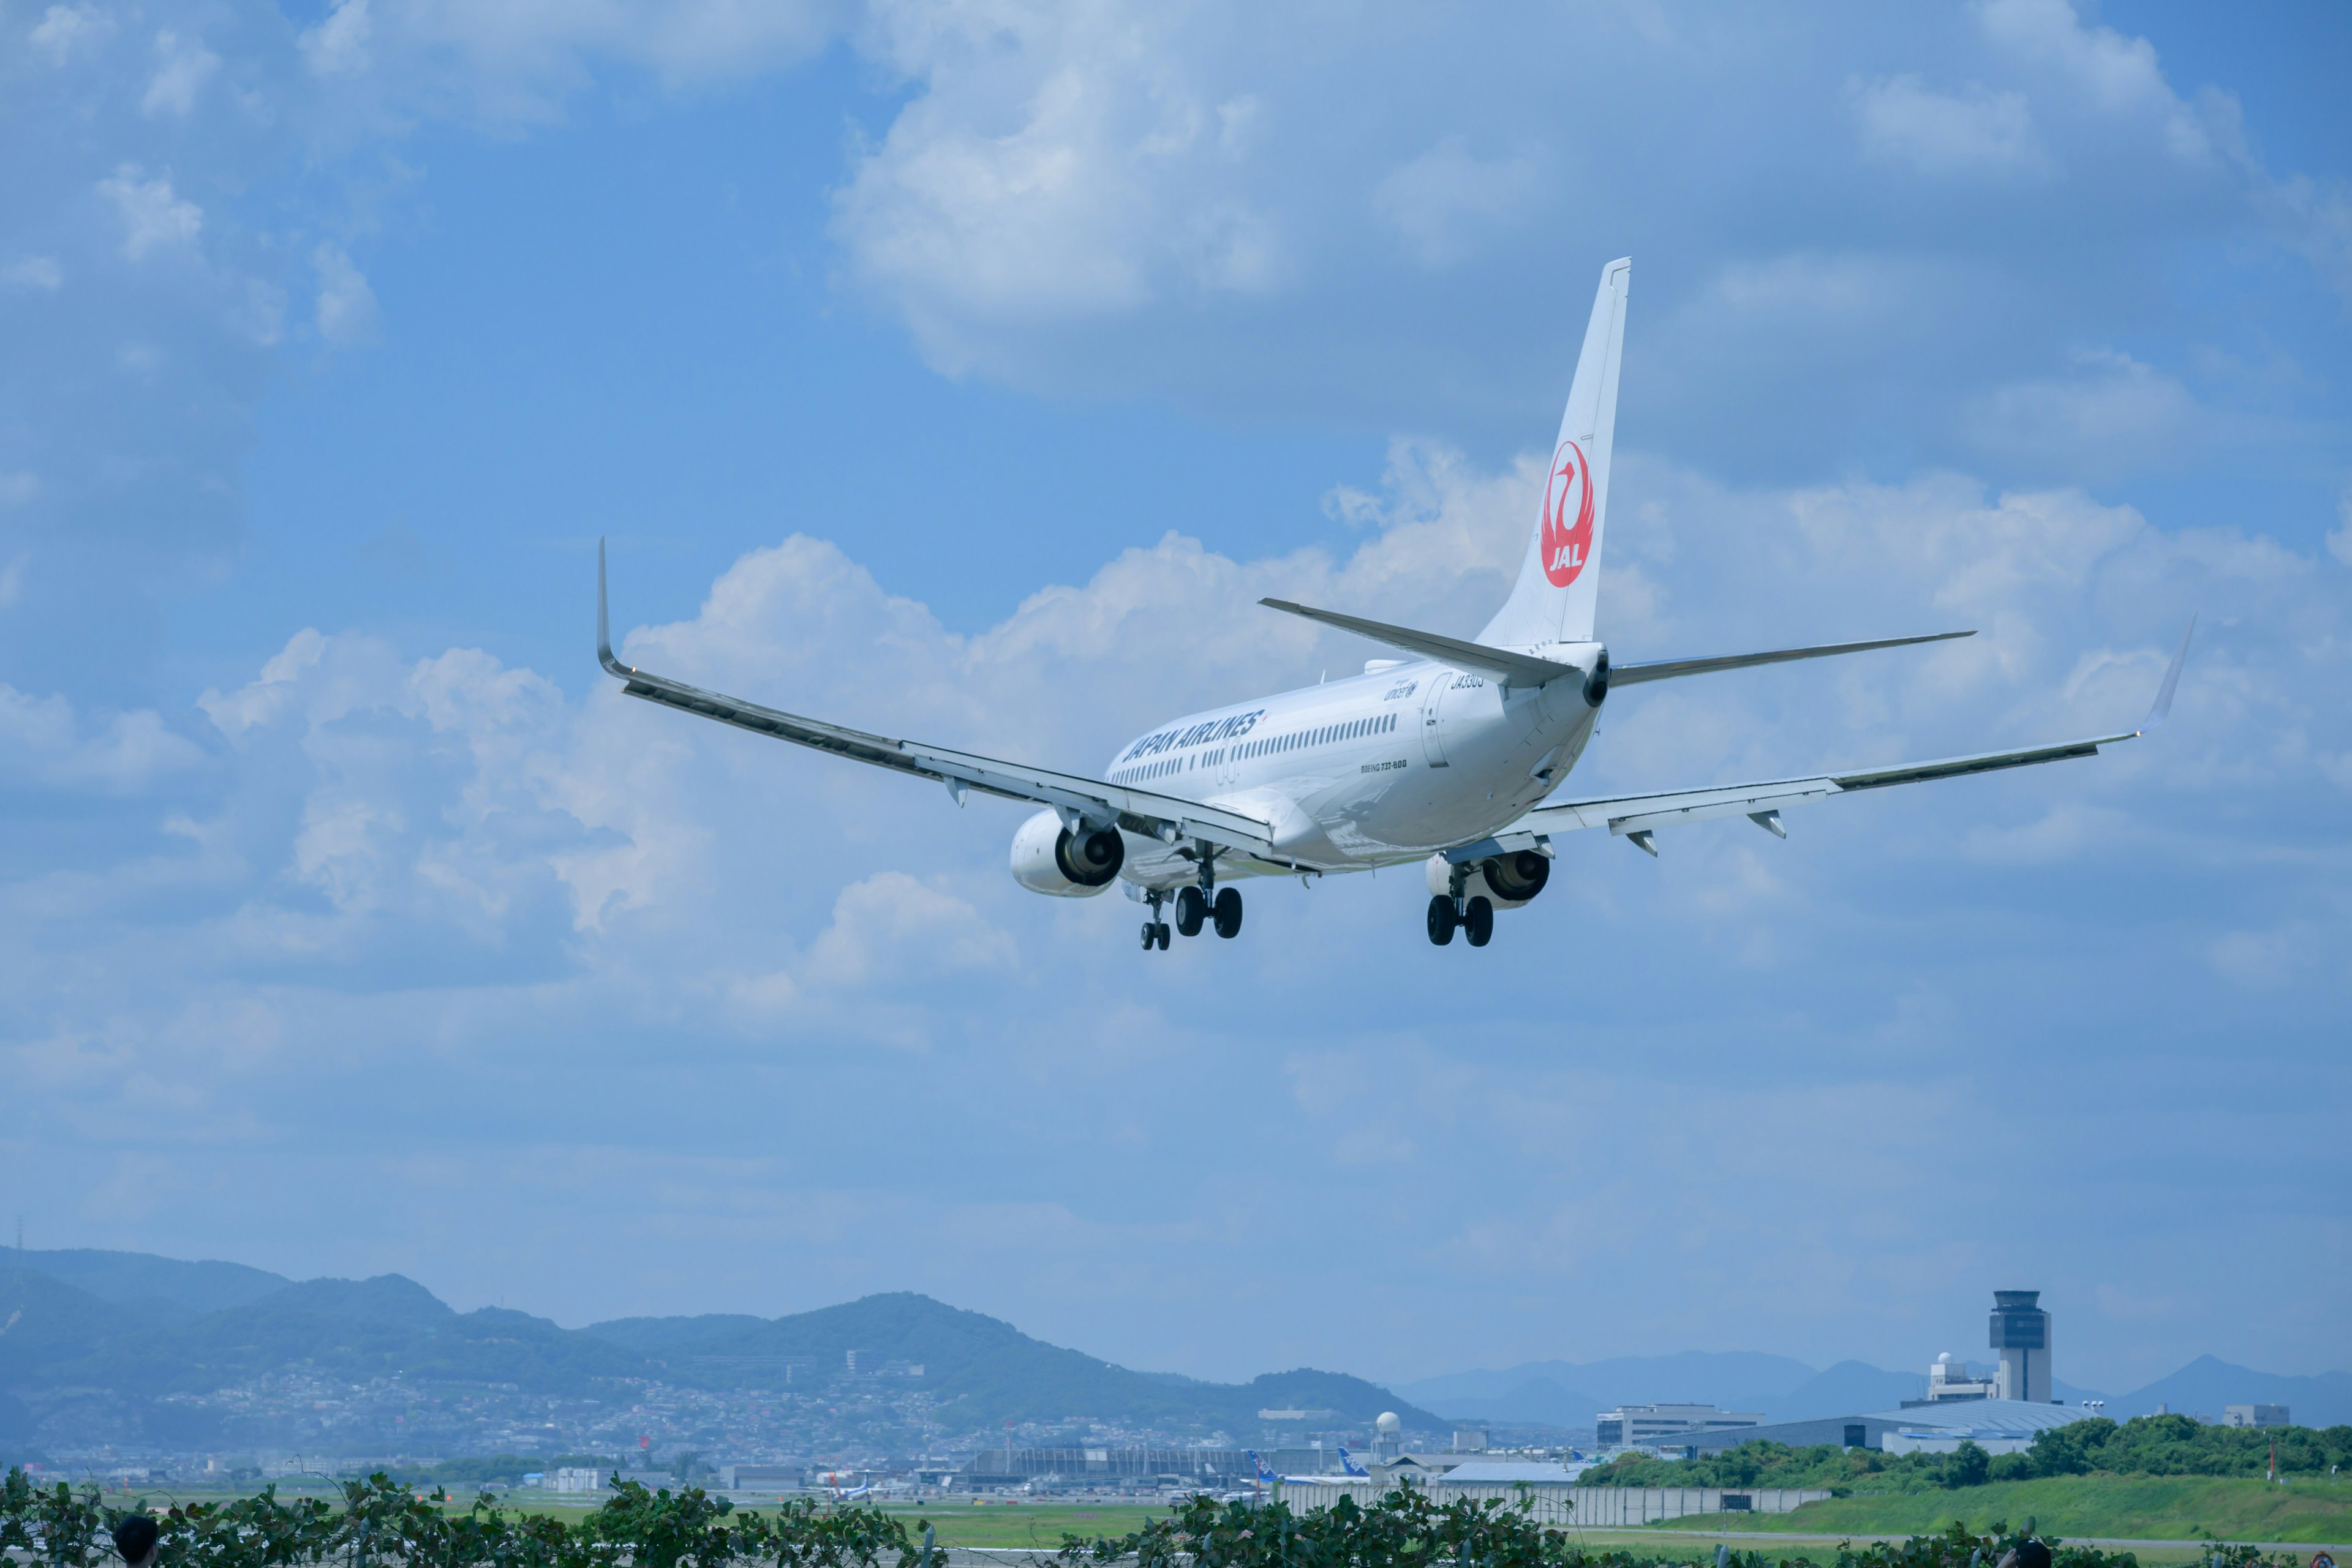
1592, 1507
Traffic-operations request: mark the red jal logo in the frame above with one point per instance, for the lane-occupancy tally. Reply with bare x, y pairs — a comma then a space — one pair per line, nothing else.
1567, 544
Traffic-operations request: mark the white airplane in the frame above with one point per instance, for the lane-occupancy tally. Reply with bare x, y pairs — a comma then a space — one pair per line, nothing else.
1448, 756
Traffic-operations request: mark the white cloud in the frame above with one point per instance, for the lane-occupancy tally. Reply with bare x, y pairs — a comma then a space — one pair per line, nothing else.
517, 59
186, 66
33, 272
1447, 203
1060, 164
1903, 122
45, 743
2113, 417
890, 929
154, 218
338, 44
346, 312
64, 31
2114, 74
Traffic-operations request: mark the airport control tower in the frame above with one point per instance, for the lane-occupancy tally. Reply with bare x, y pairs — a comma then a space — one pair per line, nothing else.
2020, 1332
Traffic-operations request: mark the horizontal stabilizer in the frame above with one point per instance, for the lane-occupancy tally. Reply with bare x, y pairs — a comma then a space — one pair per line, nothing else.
1502, 663
1669, 668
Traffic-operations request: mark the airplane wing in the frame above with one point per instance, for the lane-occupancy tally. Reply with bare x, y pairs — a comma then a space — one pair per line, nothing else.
1637, 817
1166, 817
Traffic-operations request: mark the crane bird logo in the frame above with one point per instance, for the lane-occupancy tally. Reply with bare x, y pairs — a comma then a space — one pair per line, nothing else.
1567, 516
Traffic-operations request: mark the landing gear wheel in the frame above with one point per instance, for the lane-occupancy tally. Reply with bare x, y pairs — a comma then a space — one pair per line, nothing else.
1162, 929
1479, 923
1190, 908
1441, 919
1229, 911
1150, 934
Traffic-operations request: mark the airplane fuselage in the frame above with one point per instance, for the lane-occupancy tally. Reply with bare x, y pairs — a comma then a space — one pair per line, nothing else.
1409, 758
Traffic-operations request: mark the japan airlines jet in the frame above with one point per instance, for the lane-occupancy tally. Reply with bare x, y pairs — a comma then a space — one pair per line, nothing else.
1449, 756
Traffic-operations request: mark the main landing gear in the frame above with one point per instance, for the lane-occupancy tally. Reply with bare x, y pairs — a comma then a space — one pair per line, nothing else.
1449, 911
1475, 919
1204, 904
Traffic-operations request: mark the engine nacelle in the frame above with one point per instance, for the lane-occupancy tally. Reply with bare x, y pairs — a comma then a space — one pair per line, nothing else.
1046, 859
1507, 881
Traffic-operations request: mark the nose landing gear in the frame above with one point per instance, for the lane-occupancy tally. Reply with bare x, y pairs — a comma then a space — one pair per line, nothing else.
1155, 930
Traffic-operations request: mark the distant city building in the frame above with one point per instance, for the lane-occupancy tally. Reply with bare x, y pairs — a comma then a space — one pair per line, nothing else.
2020, 1332
1996, 1425
1950, 1380
1297, 1415
760, 1477
583, 1479
1648, 1426
1470, 1440
2254, 1416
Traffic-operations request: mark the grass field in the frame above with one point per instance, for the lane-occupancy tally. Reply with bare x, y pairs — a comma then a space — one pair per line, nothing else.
2169, 1508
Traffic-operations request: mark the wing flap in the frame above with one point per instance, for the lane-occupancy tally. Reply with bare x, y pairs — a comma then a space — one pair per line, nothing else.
1629, 814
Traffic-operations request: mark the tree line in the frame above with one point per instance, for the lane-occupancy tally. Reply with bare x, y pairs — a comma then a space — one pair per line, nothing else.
2143, 1445
380, 1523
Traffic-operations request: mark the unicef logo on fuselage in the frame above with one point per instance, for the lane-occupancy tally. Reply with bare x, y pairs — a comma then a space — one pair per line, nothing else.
1567, 516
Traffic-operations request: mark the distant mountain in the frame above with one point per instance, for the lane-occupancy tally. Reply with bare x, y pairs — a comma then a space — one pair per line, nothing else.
985, 1370
136, 1276
151, 1339
2208, 1384
1849, 1388
1537, 1401
1691, 1376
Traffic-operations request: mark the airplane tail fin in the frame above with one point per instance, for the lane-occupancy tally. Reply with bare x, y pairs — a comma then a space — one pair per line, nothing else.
1559, 577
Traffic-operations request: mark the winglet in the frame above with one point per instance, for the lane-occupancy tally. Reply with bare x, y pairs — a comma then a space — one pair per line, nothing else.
604, 622
2156, 714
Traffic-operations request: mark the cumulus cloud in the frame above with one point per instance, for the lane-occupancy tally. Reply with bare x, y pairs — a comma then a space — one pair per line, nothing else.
516, 60
154, 218
1446, 201
1060, 162
1904, 122
2113, 416
187, 65
2115, 73
46, 743
346, 308
34, 272
337, 44
66, 31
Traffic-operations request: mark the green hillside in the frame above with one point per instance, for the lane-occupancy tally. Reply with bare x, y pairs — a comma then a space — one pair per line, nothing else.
983, 1369
2131, 1508
61, 1336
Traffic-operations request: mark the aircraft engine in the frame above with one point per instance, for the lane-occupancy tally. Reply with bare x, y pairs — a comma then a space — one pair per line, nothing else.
1047, 859
1507, 881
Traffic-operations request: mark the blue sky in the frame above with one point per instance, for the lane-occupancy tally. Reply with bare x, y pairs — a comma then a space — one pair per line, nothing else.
969, 370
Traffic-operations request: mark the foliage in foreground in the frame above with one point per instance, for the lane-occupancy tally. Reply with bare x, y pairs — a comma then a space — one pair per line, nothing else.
1406, 1530
2143, 1445
378, 1521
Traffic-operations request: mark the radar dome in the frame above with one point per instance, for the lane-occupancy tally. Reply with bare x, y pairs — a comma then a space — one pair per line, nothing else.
1389, 1423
